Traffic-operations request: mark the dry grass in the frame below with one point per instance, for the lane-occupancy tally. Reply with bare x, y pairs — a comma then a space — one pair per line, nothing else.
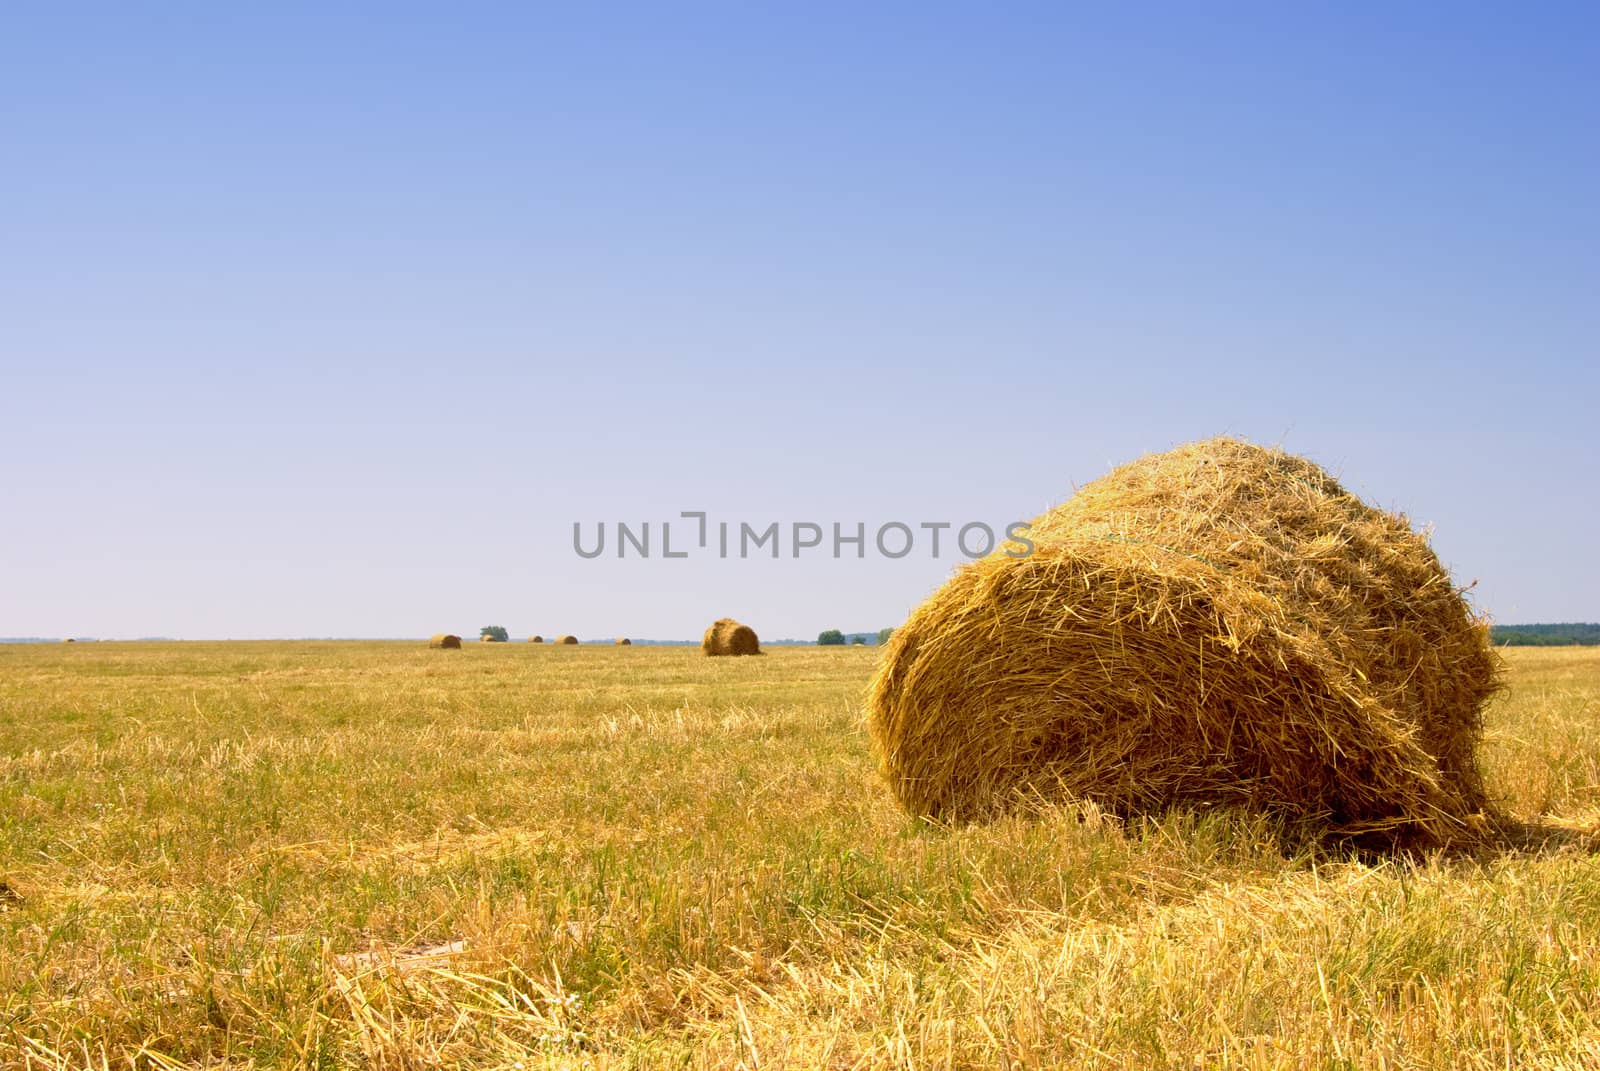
1218, 625
327, 855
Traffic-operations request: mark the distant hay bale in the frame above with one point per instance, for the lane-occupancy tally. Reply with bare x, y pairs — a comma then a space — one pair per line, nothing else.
535, 639
567, 640
446, 640
727, 637
69, 639
1222, 624
486, 638
623, 641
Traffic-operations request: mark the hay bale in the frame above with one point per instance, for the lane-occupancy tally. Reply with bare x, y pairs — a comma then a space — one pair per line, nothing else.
69, 639
623, 641
445, 640
567, 640
535, 639
1221, 624
488, 639
727, 637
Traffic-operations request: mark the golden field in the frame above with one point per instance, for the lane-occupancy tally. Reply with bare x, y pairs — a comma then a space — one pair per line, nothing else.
378, 855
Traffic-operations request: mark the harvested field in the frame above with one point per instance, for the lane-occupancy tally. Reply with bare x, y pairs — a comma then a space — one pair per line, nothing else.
356, 854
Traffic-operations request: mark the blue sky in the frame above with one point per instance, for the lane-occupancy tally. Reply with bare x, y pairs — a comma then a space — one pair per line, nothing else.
322, 323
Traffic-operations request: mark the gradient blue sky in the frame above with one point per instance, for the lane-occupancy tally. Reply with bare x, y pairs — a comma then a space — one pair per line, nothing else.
332, 322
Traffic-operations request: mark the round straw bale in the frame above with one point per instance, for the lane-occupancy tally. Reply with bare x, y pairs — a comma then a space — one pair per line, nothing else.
1222, 624
445, 640
567, 639
727, 637
623, 641
535, 639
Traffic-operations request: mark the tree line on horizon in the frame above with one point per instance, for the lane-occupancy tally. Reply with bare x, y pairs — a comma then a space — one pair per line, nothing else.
1578, 634
1582, 634
834, 638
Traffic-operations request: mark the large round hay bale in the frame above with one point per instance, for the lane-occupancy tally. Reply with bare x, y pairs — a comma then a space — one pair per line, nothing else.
445, 640
535, 639
727, 637
1219, 625
623, 641
567, 639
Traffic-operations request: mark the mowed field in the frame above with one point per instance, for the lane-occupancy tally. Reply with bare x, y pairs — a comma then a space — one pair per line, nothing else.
378, 855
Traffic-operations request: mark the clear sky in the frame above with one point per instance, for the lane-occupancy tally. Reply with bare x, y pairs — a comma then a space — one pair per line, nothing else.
331, 320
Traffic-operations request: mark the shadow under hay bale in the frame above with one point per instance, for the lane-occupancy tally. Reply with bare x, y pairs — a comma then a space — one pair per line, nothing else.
445, 640
727, 637
1222, 624
570, 641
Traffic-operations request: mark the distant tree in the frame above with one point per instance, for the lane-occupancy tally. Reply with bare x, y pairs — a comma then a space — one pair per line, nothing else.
1562, 635
831, 638
883, 635
858, 641
495, 632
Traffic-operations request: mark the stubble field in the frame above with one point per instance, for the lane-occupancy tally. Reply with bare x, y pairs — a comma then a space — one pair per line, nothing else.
377, 855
